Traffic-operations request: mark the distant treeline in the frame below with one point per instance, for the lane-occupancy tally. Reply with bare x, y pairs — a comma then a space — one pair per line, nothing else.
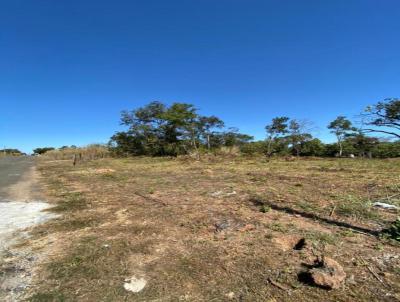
12, 152
161, 130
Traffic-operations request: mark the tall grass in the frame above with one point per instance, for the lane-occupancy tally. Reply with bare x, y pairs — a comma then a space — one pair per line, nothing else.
90, 152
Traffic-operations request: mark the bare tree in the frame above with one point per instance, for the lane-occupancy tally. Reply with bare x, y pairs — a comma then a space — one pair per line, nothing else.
383, 117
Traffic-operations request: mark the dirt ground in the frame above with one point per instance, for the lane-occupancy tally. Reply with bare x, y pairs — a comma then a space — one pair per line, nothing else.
219, 229
20, 208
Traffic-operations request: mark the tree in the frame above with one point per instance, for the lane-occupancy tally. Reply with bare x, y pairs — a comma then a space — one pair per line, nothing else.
42, 150
298, 135
232, 138
278, 127
180, 126
11, 151
341, 127
157, 129
387, 149
206, 124
363, 144
385, 116
313, 147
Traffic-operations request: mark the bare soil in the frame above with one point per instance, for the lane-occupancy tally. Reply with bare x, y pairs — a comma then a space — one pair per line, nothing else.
20, 209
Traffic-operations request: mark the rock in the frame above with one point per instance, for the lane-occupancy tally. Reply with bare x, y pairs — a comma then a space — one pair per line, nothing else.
328, 274
222, 225
134, 284
216, 194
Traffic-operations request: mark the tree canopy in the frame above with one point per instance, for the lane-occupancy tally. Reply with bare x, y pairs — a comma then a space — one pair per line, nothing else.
383, 117
157, 130
42, 150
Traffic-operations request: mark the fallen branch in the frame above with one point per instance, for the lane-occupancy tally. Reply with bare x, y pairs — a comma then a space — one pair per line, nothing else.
151, 199
278, 285
372, 271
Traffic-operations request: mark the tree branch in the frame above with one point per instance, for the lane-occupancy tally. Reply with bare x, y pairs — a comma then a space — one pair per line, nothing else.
381, 131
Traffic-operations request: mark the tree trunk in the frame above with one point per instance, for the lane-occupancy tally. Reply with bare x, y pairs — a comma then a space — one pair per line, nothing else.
269, 147
340, 147
195, 146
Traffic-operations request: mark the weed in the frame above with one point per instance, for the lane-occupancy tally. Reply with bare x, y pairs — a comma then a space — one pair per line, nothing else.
265, 208
50, 296
70, 202
355, 207
278, 227
393, 231
109, 176
347, 233
307, 206
320, 238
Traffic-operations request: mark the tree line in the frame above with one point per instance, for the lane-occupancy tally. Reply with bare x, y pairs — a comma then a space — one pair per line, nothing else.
11, 152
157, 129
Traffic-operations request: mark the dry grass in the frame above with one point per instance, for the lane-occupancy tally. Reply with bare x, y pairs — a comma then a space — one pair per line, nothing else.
89, 152
218, 229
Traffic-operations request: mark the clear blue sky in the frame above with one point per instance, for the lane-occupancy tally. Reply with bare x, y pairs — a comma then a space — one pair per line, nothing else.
67, 68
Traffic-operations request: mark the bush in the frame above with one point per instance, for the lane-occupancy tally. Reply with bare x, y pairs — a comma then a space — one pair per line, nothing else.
253, 148
394, 230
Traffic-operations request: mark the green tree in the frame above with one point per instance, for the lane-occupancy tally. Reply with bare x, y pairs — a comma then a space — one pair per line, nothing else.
384, 117
341, 128
278, 127
298, 135
157, 129
387, 149
232, 137
313, 147
363, 144
206, 126
42, 150
10, 151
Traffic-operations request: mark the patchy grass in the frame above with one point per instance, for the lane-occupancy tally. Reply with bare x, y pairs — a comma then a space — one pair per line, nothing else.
208, 230
69, 202
357, 208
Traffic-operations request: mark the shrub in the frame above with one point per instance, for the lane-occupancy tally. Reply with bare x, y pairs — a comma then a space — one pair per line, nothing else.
394, 230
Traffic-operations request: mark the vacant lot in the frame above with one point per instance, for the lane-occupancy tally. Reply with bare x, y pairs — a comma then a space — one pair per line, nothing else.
219, 229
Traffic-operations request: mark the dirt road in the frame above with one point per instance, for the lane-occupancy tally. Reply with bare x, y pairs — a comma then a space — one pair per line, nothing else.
12, 169
20, 208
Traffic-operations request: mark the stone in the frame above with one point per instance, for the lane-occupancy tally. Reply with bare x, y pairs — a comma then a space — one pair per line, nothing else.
328, 274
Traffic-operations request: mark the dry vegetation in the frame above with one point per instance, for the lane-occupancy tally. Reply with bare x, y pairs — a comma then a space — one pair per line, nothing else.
89, 152
217, 230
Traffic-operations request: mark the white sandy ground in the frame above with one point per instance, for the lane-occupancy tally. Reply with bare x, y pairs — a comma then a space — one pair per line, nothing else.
16, 216
21, 210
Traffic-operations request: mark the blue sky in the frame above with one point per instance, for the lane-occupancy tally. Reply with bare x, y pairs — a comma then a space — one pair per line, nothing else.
67, 68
